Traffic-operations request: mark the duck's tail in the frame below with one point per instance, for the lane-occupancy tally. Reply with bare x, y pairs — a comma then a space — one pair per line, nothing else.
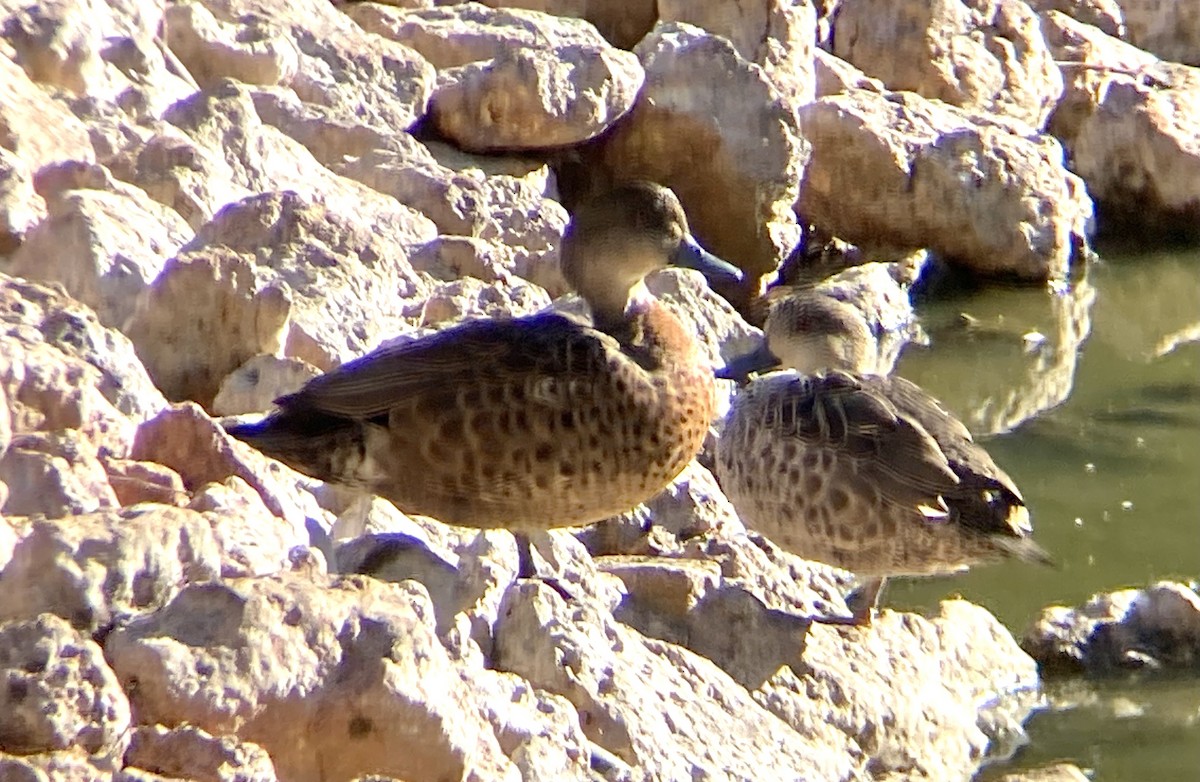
321, 446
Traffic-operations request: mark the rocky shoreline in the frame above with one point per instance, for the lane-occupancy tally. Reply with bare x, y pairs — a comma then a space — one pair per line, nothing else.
204, 204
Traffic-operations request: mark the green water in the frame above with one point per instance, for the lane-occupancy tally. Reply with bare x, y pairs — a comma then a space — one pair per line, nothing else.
1091, 401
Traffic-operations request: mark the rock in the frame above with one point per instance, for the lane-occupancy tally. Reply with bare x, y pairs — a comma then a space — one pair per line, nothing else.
62, 370
975, 54
34, 127
622, 22
1055, 772
259, 381
832, 74
469, 299
55, 475
103, 240
1168, 28
133, 482
1106, 15
903, 171
59, 692
357, 655
53, 766
1129, 122
703, 101
536, 99
97, 570
1157, 627
253, 541
188, 752
632, 688
20, 206
308, 46
777, 35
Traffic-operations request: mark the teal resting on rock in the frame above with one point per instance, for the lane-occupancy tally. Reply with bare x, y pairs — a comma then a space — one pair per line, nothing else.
863, 472
525, 423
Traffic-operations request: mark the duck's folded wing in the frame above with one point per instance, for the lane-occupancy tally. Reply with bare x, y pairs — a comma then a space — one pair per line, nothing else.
541, 345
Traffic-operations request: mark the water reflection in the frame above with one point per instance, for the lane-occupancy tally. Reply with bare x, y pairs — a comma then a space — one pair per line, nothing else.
1102, 433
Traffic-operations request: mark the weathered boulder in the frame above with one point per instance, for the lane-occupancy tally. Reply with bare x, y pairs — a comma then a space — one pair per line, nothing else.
308, 46
35, 127
1168, 28
260, 380
1106, 15
54, 474
20, 206
622, 22
704, 102
188, 752
1153, 628
1131, 124
904, 171
976, 54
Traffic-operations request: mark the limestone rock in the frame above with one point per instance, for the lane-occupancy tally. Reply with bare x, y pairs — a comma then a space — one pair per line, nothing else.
832, 74
1108, 16
778, 35
1168, 28
53, 766
703, 101
103, 240
1130, 123
976, 54
308, 46
98, 569
63, 370
900, 170
20, 206
35, 127
469, 299
1156, 627
55, 475
188, 752
622, 22
259, 381
1055, 772
59, 692
252, 540
133, 482
283, 653
536, 99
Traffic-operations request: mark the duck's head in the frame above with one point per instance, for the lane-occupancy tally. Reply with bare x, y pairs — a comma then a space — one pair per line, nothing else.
617, 237
808, 331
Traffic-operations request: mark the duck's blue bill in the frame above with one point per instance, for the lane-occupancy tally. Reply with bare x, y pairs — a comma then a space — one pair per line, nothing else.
690, 255
739, 368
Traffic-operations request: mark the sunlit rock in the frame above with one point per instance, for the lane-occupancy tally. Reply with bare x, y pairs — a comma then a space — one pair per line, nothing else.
188, 752
1168, 28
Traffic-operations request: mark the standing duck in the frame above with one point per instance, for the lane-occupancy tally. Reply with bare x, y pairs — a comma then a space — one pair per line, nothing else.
864, 472
525, 423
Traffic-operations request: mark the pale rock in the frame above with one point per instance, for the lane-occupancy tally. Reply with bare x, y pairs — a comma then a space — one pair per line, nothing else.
207, 313
1168, 28
185, 439
656, 707
34, 127
622, 22
983, 55
1055, 772
778, 35
1014, 380
331, 137
102, 240
703, 101
904, 171
97, 570
450, 257
253, 540
12, 529
180, 173
536, 98
832, 74
63, 370
1131, 124
1157, 627
21, 208
464, 33
134, 482
109, 51
54, 475
259, 381
261, 158
471, 299
1108, 16
59, 692
310, 47
280, 654
5, 424
187, 752
72, 764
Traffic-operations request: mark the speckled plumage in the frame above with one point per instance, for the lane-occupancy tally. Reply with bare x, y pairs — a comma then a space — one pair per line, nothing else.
525, 423
863, 472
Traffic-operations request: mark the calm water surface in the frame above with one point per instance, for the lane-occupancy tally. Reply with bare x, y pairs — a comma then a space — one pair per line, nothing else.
1091, 401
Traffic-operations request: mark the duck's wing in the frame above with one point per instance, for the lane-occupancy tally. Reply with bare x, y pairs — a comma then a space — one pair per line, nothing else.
518, 349
847, 415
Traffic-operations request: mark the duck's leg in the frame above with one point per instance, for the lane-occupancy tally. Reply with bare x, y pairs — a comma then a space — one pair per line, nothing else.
863, 601
527, 566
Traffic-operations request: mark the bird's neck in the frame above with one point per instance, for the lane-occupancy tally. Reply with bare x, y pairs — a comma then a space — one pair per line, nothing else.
650, 333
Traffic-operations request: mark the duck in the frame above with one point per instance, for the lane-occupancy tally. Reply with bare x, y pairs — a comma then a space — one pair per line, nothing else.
525, 423
865, 472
